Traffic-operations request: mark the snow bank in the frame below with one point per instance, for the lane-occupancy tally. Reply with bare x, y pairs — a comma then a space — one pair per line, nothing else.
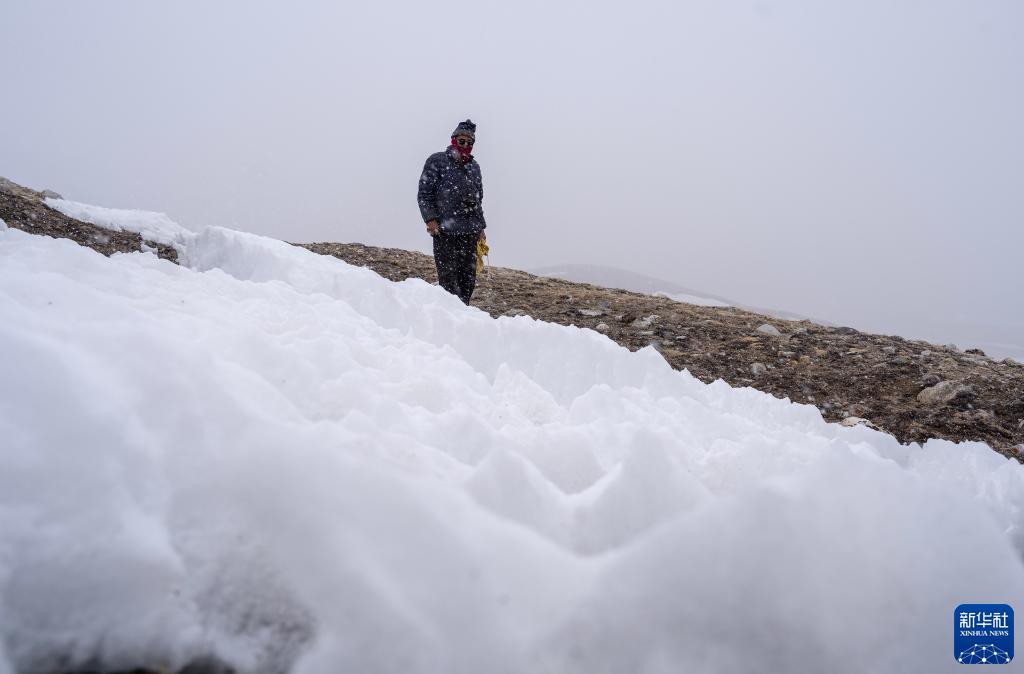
152, 226
692, 299
296, 465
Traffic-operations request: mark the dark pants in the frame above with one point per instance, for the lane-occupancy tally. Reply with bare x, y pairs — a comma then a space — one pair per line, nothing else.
455, 258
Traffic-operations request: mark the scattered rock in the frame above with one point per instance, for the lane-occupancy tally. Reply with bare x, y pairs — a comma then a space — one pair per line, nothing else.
858, 421
946, 392
770, 330
601, 327
930, 379
981, 416
857, 410
758, 369
889, 350
645, 322
593, 313
1016, 406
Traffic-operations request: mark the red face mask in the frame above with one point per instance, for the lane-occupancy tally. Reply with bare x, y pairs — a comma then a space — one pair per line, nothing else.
464, 152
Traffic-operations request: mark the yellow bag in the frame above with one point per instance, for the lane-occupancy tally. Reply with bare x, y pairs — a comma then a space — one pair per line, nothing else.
482, 249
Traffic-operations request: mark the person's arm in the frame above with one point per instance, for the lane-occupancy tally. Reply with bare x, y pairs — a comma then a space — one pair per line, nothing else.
426, 197
481, 204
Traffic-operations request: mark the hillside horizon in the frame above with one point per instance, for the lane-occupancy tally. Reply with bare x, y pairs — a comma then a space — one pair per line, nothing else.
1001, 340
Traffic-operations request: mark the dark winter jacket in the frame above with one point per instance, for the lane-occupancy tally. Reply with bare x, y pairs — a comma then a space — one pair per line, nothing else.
451, 192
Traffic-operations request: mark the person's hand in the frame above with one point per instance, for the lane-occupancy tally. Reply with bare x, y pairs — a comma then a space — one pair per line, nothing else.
432, 228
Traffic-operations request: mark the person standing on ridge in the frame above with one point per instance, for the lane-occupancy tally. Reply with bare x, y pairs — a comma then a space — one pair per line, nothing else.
450, 197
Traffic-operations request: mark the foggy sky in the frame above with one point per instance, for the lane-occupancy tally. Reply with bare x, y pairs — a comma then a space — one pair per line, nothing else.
859, 162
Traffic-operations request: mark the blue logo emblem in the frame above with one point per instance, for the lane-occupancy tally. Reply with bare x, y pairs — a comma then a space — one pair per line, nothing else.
983, 634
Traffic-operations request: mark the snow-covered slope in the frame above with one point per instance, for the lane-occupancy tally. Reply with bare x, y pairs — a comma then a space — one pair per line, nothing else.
152, 226
295, 464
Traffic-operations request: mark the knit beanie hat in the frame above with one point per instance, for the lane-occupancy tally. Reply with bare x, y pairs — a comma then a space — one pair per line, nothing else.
466, 128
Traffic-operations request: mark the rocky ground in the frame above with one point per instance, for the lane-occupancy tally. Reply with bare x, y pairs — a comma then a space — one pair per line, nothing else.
912, 389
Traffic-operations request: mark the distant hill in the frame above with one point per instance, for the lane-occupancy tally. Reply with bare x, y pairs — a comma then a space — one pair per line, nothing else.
616, 277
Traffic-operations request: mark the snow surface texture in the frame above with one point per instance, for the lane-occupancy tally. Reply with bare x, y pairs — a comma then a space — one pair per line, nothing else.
296, 465
155, 227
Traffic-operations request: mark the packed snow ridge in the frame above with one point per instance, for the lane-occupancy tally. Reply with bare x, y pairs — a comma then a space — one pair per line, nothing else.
293, 464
